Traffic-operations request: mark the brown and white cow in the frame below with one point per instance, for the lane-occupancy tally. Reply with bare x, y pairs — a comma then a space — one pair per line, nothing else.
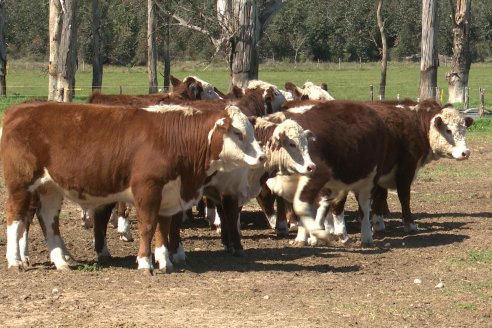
286, 150
348, 152
418, 133
309, 91
157, 161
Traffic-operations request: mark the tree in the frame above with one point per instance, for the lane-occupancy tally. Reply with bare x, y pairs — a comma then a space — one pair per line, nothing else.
236, 30
429, 58
384, 51
3, 51
99, 12
457, 77
151, 46
63, 50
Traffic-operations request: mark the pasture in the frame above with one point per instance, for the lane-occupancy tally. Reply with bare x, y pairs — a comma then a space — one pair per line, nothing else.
439, 276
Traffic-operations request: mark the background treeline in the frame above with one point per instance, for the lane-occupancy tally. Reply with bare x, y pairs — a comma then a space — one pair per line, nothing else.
325, 30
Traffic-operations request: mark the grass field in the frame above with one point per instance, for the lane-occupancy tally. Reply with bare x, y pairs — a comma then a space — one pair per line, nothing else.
345, 81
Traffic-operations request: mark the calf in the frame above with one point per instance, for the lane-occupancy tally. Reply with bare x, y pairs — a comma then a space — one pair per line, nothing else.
157, 161
309, 91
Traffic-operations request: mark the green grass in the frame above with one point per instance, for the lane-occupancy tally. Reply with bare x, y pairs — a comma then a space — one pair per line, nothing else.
481, 125
91, 267
479, 256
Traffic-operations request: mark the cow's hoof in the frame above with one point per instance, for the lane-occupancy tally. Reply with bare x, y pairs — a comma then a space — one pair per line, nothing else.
344, 240
239, 253
167, 269
367, 244
147, 272
16, 268
26, 262
298, 243
63, 267
104, 259
126, 237
410, 227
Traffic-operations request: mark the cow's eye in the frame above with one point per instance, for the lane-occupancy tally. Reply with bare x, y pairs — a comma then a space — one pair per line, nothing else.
239, 135
292, 144
448, 131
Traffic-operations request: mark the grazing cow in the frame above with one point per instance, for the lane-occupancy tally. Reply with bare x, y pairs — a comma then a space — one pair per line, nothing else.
157, 161
308, 91
286, 148
349, 149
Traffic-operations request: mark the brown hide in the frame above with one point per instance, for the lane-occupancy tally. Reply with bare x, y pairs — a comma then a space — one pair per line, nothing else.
100, 150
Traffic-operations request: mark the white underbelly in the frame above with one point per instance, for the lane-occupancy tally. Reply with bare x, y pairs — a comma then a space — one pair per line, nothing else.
284, 185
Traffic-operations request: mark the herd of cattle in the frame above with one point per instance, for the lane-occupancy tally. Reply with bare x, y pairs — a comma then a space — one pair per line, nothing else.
163, 153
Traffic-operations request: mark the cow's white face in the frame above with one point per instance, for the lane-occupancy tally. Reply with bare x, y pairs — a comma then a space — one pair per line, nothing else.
270, 92
447, 135
207, 90
289, 151
240, 148
314, 92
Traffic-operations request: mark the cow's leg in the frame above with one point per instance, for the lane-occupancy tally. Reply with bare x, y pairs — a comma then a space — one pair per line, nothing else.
224, 231
124, 226
364, 198
176, 248
304, 198
102, 215
161, 251
230, 206
266, 200
48, 214
338, 216
282, 226
379, 209
17, 209
23, 241
301, 237
403, 185
211, 214
321, 213
87, 217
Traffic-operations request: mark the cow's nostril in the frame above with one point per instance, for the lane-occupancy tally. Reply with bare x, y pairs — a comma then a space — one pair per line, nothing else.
262, 158
466, 153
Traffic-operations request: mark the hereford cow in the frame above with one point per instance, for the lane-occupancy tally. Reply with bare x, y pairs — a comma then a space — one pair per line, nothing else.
309, 91
349, 149
418, 134
157, 161
286, 148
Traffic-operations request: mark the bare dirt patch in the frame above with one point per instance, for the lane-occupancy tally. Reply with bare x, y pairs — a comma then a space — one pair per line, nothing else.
439, 277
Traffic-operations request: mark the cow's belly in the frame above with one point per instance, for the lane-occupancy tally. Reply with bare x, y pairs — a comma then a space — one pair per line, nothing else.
338, 186
171, 202
388, 181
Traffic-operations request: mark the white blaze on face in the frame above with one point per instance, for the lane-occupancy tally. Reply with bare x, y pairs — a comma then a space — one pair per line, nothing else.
278, 97
314, 92
240, 147
208, 92
293, 156
447, 135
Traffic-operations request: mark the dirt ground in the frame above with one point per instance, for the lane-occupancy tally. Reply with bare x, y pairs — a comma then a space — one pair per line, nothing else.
438, 277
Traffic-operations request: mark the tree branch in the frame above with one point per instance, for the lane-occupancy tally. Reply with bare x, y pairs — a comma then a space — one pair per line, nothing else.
267, 14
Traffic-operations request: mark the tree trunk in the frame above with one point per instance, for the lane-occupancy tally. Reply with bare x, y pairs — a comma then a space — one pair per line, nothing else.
430, 60
97, 44
458, 76
384, 52
167, 52
244, 55
55, 28
3, 51
151, 46
67, 56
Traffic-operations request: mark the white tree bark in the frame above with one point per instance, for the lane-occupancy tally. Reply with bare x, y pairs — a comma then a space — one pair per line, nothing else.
55, 26
151, 46
430, 60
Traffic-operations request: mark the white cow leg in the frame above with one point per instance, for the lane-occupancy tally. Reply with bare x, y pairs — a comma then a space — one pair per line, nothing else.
86, 217
180, 256
365, 230
301, 237
51, 202
378, 223
340, 227
161, 255
321, 213
13, 252
217, 222
124, 229
113, 219
24, 249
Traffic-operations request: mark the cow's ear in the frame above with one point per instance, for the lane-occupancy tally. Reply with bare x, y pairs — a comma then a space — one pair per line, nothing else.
280, 137
237, 91
324, 86
468, 121
174, 81
223, 123
438, 121
294, 90
310, 135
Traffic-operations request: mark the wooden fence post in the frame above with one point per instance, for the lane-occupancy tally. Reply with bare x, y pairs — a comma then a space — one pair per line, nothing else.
482, 102
467, 98
371, 92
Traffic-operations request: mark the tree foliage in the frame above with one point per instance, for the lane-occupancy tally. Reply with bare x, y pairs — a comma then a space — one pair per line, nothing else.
327, 30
